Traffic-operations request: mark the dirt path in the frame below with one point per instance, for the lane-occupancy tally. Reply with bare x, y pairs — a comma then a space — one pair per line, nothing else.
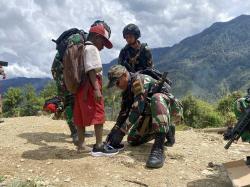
39, 149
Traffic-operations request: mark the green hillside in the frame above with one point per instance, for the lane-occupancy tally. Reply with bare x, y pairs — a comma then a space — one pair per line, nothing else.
211, 63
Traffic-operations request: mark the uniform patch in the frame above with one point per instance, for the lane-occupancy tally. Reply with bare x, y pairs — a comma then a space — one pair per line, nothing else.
138, 87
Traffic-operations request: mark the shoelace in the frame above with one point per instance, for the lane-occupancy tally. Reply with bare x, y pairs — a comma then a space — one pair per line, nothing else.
156, 153
108, 147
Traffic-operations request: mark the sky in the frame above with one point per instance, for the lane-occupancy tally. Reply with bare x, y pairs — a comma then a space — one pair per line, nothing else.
27, 26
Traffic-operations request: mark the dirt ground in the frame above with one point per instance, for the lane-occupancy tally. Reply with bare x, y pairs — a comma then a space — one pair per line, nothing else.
39, 149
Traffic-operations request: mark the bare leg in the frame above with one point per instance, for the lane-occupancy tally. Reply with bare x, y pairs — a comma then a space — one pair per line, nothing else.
81, 145
98, 134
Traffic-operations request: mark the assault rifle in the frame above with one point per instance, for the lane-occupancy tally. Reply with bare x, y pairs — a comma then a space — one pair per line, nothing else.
242, 125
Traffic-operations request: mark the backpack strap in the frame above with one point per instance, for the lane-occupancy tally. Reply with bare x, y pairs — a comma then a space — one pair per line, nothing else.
88, 43
132, 60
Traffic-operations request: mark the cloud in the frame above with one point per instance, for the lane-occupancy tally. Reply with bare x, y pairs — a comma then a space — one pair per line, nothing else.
27, 26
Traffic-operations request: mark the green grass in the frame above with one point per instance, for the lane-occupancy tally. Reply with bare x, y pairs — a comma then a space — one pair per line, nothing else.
182, 127
2, 178
19, 183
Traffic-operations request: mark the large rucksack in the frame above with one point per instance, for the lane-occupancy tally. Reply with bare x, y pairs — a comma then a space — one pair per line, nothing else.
62, 40
70, 46
73, 67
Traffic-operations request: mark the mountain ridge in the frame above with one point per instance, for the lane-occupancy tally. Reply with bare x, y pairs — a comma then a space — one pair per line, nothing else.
208, 64
37, 83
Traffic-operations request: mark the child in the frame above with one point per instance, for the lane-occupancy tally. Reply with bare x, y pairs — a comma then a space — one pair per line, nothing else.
89, 102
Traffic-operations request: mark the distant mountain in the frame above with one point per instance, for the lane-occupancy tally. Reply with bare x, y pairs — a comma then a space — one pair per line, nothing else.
211, 63
38, 83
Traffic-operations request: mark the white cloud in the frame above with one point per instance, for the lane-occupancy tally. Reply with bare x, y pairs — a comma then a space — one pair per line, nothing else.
27, 26
23, 71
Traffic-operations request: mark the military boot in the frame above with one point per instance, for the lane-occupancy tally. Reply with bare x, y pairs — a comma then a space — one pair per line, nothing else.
157, 157
72, 129
170, 136
73, 135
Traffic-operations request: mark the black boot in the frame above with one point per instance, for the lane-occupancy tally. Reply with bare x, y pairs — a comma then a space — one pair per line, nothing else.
72, 129
75, 139
157, 157
170, 136
73, 135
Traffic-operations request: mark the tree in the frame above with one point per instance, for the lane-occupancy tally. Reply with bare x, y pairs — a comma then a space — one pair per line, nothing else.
112, 101
200, 114
31, 103
224, 107
49, 91
12, 102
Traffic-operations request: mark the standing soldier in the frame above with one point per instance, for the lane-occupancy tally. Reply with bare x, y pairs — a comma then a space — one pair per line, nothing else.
137, 56
65, 95
147, 97
240, 106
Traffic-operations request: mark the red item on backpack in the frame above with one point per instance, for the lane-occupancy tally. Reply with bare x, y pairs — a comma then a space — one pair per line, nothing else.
51, 108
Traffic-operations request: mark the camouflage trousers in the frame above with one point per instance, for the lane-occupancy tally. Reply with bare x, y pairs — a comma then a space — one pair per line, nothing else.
163, 110
68, 105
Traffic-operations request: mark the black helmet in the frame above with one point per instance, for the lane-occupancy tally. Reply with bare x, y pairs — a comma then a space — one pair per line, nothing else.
132, 29
97, 22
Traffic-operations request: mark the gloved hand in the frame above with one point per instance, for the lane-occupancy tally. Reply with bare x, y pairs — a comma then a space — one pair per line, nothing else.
115, 137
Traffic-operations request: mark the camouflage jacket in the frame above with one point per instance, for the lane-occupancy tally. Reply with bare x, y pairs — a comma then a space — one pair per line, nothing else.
136, 59
134, 99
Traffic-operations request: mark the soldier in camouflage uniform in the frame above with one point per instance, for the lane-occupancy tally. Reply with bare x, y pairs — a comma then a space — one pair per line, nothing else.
145, 99
62, 92
240, 105
136, 56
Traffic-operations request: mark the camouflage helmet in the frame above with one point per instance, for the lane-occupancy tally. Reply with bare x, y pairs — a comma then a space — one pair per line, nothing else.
114, 73
133, 30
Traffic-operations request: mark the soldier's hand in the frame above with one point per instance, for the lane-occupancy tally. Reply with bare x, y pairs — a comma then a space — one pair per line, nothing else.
115, 137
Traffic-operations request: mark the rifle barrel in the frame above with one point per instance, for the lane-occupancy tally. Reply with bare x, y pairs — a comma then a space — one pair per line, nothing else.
229, 144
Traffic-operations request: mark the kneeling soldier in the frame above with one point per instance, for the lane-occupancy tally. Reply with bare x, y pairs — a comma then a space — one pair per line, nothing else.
146, 112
